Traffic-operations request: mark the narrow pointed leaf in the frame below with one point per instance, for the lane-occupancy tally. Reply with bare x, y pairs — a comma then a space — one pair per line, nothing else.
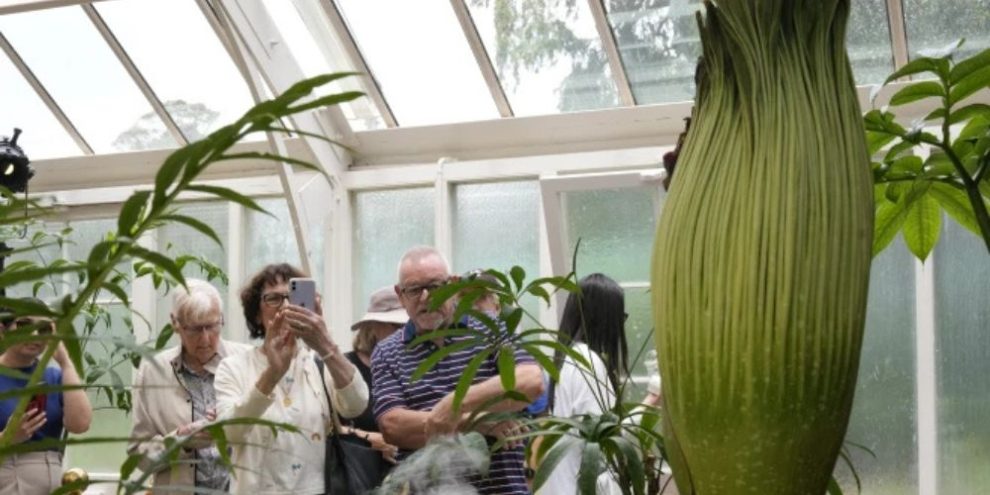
195, 224
507, 368
230, 195
967, 86
917, 91
957, 205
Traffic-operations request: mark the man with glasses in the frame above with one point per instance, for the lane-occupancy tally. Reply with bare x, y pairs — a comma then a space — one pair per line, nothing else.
173, 395
410, 413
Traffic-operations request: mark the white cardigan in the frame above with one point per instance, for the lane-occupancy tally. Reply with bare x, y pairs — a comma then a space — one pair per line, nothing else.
282, 463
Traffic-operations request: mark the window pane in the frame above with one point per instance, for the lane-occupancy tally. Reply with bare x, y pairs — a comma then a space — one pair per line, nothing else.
868, 42
86, 234
43, 136
548, 55
935, 24
180, 240
277, 245
216, 96
639, 330
616, 228
426, 70
38, 237
496, 226
306, 45
386, 224
84, 76
962, 317
108, 421
659, 45
884, 416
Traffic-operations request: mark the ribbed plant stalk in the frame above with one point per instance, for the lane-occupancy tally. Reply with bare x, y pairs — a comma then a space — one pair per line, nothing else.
762, 256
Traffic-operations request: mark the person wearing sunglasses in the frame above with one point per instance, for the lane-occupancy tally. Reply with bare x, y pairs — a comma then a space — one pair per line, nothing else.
280, 381
174, 395
48, 416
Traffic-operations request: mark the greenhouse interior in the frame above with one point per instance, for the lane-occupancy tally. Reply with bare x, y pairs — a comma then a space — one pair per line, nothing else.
530, 138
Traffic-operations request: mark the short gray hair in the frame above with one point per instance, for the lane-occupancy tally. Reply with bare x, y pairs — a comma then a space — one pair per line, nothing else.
194, 303
418, 253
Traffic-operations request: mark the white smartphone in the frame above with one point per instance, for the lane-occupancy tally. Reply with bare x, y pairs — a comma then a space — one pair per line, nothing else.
302, 292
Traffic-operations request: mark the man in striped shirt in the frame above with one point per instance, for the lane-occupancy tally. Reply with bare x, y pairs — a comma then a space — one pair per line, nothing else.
410, 413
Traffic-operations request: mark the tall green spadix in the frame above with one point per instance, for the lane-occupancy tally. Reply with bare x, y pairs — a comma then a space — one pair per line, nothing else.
762, 257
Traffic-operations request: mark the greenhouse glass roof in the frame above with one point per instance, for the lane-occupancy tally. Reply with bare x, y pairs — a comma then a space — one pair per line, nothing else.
86, 78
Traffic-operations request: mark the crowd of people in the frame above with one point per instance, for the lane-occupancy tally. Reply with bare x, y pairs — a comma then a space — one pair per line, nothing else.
298, 376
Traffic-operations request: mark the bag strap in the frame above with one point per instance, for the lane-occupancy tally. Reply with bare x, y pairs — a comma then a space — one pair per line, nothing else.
333, 414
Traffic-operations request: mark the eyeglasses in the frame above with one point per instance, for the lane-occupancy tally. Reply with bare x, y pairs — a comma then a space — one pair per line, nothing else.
203, 328
274, 299
417, 290
44, 326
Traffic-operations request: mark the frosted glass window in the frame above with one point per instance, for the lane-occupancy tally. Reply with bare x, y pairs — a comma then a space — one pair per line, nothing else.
40, 255
548, 55
616, 228
639, 329
425, 69
962, 312
86, 234
868, 42
386, 225
884, 415
935, 24
659, 46
216, 95
271, 240
108, 421
43, 136
496, 225
305, 45
177, 240
84, 77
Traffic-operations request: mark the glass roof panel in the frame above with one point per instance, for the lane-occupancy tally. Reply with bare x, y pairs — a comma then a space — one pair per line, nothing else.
659, 45
426, 70
317, 52
191, 74
868, 42
548, 55
43, 136
932, 25
86, 79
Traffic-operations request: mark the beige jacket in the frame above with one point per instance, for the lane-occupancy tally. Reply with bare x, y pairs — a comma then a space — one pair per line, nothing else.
283, 463
161, 404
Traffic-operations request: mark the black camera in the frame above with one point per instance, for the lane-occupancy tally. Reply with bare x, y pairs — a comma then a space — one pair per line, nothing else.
14, 169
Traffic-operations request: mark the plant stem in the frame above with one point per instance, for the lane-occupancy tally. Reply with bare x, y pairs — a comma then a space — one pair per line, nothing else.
972, 188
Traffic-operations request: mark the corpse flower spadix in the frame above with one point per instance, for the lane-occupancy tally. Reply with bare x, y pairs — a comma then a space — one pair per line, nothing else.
762, 255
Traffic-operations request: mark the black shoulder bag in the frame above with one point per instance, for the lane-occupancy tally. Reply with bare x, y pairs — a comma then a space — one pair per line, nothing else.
351, 466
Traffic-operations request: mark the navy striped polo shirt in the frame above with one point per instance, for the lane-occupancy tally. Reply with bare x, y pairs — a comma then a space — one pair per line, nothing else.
392, 365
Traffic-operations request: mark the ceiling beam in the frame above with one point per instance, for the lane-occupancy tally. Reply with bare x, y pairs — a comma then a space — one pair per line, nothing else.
607, 35
18, 6
481, 57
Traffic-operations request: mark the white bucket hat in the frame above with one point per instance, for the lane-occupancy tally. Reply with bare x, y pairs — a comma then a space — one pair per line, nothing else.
385, 307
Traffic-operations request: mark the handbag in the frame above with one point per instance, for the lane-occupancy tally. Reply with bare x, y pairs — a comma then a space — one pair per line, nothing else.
351, 466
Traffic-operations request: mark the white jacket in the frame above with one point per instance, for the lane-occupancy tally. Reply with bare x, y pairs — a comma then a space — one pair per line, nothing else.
282, 463
161, 404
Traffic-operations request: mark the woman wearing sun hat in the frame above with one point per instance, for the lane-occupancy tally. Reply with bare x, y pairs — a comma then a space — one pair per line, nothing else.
385, 315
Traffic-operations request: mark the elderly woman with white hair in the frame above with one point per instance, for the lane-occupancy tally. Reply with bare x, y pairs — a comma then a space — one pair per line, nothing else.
174, 395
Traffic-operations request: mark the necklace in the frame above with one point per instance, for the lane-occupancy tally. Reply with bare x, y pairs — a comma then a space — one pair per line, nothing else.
286, 383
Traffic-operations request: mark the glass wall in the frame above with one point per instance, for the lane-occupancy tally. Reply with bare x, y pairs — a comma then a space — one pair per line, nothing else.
386, 224
962, 344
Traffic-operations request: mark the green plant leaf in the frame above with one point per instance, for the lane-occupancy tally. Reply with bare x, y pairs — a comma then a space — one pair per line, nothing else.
518, 275
230, 195
917, 91
552, 458
195, 224
437, 356
546, 361
916, 66
939, 164
470, 373
906, 165
969, 111
507, 368
957, 205
875, 141
161, 261
896, 150
164, 336
970, 65
631, 460
890, 218
970, 84
327, 101
131, 212
591, 467
922, 226
117, 291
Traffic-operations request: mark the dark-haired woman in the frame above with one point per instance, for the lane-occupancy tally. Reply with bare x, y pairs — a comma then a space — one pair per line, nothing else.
47, 416
593, 324
280, 381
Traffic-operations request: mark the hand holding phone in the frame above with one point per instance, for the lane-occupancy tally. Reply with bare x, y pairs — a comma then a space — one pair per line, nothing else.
302, 292
39, 403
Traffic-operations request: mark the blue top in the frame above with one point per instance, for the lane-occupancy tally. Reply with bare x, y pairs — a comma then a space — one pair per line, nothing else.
392, 365
52, 376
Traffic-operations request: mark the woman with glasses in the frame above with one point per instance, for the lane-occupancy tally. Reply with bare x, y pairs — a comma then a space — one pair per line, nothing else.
174, 396
283, 381
48, 415
593, 324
